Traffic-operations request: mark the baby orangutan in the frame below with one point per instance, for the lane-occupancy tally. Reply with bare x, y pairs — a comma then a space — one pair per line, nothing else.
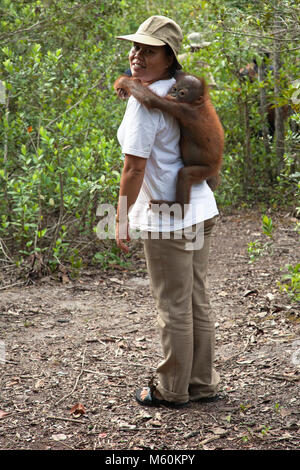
201, 132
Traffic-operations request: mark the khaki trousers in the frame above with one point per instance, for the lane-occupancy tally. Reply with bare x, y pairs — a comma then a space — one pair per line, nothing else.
185, 320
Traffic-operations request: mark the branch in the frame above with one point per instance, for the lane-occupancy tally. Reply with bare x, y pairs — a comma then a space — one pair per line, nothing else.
13, 33
290, 50
254, 35
50, 20
74, 105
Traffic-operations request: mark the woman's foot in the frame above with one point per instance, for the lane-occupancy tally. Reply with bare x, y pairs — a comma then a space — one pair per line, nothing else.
207, 399
147, 397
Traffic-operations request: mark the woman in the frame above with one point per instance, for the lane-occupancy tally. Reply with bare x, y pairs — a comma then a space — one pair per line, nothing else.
177, 269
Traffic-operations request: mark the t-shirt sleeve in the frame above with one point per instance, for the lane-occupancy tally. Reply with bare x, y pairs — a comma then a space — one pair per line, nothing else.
138, 129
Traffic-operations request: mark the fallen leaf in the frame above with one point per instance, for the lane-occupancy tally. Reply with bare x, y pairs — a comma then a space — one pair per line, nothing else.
108, 339
219, 431
191, 434
39, 383
59, 437
251, 292
77, 410
270, 297
112, 402
65, 279
144, 415
223, 293
116, 280
156, 423
284, 412
3, 413
124, 425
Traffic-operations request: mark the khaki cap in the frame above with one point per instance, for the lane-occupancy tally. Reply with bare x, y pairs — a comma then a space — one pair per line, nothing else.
158, 31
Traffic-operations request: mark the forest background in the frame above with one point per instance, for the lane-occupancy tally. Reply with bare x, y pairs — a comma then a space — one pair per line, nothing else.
59, 155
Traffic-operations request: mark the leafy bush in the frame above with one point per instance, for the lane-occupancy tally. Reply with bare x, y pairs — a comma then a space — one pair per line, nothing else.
59, 156
257, 248
290, 282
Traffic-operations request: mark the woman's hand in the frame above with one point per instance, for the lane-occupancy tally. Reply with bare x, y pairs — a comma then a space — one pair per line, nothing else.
122, 229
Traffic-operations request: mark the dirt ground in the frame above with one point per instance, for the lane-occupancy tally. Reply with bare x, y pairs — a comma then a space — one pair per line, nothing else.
88, 343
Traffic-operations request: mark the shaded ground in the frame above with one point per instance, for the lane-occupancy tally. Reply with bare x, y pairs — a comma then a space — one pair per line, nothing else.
93, 341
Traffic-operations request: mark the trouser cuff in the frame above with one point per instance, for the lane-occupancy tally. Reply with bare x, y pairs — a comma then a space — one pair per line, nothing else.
171, 396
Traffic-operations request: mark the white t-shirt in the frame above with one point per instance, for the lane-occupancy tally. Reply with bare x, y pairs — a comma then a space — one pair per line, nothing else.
155, 135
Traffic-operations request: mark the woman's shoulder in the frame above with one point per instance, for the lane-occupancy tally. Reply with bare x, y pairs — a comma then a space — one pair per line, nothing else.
162, 87
137, 112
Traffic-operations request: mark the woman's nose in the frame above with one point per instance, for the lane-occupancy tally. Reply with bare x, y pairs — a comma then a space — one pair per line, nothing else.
139, 52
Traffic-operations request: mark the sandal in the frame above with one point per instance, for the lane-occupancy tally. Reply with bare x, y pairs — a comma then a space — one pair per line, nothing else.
207, 399
151, 400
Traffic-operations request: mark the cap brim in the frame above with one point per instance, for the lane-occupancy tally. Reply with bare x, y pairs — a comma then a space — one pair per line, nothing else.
142, 39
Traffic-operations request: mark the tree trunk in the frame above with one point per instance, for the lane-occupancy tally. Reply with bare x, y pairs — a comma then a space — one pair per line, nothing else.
263, 108
279, 112
7, 197
247, 150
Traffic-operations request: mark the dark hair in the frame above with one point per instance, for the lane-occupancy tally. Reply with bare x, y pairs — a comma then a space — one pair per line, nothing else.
175, 66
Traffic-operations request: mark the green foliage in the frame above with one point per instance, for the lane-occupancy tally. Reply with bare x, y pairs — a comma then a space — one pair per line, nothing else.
267, 226
257, 248
290, 282
109, 259
59, 155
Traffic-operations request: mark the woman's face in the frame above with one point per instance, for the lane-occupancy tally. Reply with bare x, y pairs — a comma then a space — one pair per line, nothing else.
149, 63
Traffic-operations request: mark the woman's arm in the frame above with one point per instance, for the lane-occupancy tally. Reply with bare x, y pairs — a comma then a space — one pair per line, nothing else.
130, 185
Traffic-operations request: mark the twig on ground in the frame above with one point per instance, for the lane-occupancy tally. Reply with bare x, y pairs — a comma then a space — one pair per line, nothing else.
12, 285
77, 380
66, 419
213, 438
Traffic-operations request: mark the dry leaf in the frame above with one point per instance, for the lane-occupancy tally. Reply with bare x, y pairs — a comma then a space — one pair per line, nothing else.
223, 293
141, 338
284, 412
270, 297
249, 361
144, 415
59, 437
3, 413
116, 280
108, 339
65, 279
39, 383
155, 423
124, 425
219, 431
77, 410
250, 292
